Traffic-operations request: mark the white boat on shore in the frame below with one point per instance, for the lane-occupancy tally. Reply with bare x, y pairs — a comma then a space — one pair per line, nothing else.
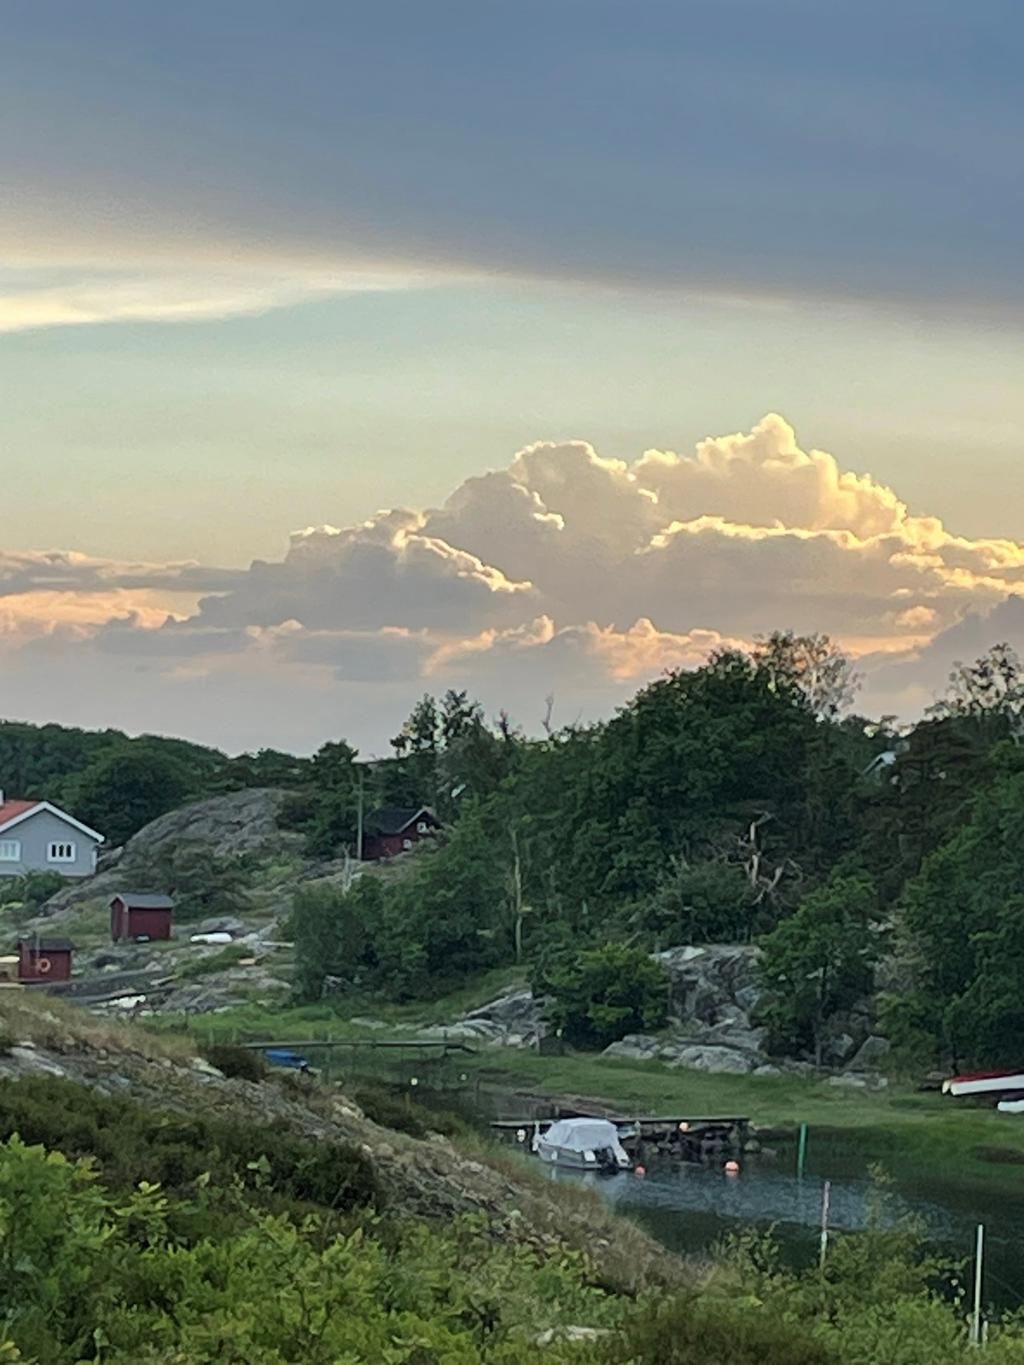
985, 1083
582, 1145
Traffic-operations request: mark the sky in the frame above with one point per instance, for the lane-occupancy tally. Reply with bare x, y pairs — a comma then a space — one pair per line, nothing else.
352, 351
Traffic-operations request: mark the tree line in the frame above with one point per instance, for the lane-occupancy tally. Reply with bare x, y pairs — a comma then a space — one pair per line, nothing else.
741, 801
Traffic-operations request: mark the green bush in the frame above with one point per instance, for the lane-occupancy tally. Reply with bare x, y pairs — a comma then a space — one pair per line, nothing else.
395, 1108
132, 1143
686, 1331
605, 993
241, 1063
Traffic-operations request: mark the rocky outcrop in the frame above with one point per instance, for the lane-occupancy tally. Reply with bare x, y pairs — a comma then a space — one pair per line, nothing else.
224, 826
513, 1019
712, 983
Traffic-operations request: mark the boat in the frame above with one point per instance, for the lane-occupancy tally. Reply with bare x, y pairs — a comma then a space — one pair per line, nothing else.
985, 1083
1011, 1106
582, 1144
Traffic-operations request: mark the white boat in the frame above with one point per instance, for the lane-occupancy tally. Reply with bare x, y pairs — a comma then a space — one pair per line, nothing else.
1011, 1106
582, 1145
985, 1083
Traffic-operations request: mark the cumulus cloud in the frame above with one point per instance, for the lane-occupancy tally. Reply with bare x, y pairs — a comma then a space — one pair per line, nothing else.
570, 572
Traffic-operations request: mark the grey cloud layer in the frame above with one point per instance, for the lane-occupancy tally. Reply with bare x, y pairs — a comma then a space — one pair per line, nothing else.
858, 151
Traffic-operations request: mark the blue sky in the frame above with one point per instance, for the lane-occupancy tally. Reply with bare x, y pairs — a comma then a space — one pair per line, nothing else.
267, 266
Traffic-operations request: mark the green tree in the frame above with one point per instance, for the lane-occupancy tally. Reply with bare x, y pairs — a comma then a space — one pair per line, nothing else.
962, 927
605, 993
821, 959
129, 786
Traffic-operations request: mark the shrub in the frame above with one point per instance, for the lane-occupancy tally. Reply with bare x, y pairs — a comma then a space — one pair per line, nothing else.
394, 1108
685, 1331
605, 993
131, 1143
241, 1063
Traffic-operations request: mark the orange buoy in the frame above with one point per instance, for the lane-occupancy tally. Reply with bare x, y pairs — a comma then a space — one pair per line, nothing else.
639, 1170
732, 1168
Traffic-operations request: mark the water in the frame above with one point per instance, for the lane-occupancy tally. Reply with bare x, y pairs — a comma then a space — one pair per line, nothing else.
691, 1207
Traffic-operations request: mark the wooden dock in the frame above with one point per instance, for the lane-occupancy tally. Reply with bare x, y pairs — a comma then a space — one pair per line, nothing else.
687, 1137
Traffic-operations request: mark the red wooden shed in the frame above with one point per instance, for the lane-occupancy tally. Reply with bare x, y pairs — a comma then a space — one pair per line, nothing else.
394, 829
136, 915
44, 959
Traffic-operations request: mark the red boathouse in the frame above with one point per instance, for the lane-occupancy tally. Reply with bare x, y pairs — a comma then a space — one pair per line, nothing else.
134, 915
44, 959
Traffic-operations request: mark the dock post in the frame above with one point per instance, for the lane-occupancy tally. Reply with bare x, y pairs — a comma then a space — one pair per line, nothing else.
801, 1151
977, 1334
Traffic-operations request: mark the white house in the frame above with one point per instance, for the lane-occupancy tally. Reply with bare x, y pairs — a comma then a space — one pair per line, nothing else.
36, 836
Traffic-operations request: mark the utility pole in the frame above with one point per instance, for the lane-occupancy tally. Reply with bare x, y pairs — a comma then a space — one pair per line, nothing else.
359, 818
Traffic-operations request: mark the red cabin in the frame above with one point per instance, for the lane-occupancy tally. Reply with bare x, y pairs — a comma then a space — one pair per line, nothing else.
135, 916
44, 959
394, 829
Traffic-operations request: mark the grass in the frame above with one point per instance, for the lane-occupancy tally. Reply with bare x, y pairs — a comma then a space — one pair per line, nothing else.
61, 1025
898, 1126
325, 1019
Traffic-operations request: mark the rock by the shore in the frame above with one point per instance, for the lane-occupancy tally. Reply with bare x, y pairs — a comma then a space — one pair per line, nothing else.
870, 1054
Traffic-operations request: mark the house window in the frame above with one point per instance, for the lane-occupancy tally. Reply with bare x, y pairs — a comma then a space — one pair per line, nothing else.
421, 827
10, 850
407, 843
61, 853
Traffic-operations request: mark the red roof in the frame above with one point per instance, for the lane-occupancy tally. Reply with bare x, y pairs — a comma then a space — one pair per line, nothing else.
10, 809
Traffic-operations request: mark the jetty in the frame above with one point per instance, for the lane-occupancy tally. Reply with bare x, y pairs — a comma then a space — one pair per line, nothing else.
686, 1137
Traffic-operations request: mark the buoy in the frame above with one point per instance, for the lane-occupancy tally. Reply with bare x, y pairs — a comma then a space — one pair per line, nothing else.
639, 1170
732, 1168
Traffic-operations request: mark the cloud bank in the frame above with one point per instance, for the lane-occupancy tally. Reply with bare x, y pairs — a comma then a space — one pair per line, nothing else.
568, 573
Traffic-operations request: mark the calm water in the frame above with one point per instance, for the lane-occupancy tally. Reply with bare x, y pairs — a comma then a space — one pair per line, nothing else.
691, 1207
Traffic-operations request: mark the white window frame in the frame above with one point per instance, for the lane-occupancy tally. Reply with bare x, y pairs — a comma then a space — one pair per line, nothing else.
406, 844
62, 851
421, 827
10, 850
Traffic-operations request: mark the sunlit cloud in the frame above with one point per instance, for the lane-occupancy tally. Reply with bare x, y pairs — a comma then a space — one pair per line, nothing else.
567, 572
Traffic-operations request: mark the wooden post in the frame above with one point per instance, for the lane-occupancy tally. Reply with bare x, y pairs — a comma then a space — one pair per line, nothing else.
976, 1334
801, 1152
826, 1195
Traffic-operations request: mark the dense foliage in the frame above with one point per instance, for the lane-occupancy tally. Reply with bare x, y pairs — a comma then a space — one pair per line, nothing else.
733, 802
604, 993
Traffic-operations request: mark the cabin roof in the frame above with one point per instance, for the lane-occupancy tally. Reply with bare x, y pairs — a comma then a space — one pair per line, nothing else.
143, 901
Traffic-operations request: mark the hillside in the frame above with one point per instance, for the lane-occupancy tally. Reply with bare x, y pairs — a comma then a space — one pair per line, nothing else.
231, 867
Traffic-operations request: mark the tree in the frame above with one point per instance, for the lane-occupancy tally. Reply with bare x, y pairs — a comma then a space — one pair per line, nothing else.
990, 692
129, 786
703, 902
962, 927
333, 931
605, 993
821, 959
811, 665
332, 823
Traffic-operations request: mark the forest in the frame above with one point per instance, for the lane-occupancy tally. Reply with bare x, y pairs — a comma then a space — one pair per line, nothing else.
742, 801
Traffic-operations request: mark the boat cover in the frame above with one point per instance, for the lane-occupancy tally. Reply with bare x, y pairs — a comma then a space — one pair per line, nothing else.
582, 1135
